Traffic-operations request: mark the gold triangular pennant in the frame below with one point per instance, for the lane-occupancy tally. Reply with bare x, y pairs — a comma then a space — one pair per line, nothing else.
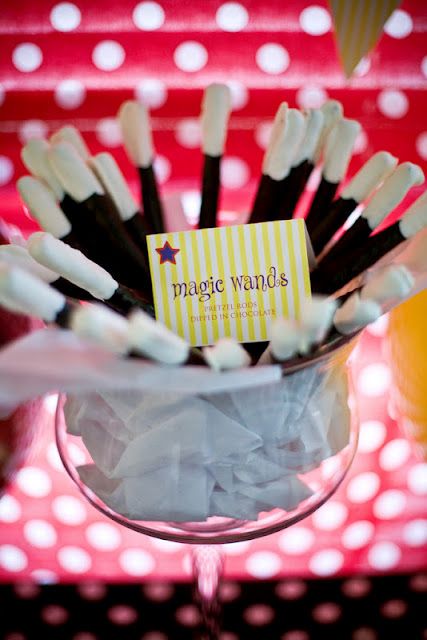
358, 26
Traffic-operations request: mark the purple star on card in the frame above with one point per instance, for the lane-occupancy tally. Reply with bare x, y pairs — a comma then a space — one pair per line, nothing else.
167, 253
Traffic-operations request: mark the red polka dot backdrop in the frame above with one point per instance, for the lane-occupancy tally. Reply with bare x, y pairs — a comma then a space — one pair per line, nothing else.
76, 62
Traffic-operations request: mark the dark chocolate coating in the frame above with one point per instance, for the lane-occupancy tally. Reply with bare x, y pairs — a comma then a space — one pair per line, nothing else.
353, 238
64, 315
125, 300
153, 211
337, 215
321, 203
210, 192
293, 187
71, 290
138, 231
267, 200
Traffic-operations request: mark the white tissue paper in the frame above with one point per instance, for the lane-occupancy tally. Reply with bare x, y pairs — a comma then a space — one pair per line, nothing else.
172, 456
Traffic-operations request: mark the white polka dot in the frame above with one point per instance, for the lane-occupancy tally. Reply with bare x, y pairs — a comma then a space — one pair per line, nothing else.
361, 142
151, 92
188, 132
393, 103
108, 55
103, 536
326, 562
362, 67
10, 510
53, 458
50, 403
190, 56
12, 558
6, 170
239, 94
389, 504
69, 510
232, 16
262, 133
32, 129
330, 467
272, 58
191, 201
236, 548
421, 145
315, 20
136, 562
372, 435
417, 479
394, 454
296, 540
40, 534
379, 327
415, 533
166, 546
399, 25
263, 564
2, 94
34, 482
148, 16
70, 94
363, 487
384, 555
65, 16
311, 97
374, 380
74, 559
162, 169
77, 455
27, 57
330, 516
44, 576
234, 172
424, 66
357, 534
108, 132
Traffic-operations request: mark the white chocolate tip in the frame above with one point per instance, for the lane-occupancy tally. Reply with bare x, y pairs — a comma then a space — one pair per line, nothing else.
226, 354
338, 149
289, 138
108, 172
313, 129
285, 338
392, 192
316, 320
332, 112
136, 130
70, 134
42, 205
20, 291
72, 265
371, 174
155, 341
415, 217
392, 283
101, 325
34, 155
355, 314
414, 256
71, 170
216, 108
18, 256
277, 126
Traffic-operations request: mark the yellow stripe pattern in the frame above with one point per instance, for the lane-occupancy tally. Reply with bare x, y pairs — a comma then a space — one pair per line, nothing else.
230, 281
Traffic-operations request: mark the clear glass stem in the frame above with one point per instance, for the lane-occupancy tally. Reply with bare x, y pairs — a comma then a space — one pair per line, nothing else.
208, 563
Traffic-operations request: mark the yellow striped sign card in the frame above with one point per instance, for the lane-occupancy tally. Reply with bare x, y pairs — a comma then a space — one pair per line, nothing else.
229, 281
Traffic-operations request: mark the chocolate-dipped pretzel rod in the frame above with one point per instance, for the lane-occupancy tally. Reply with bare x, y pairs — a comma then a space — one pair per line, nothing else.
216, 107
389, 195
135, 125
96, 219
338, 149
17, 256
362, 185
302, 164
277, 167
76, 268
108, 172
379, 245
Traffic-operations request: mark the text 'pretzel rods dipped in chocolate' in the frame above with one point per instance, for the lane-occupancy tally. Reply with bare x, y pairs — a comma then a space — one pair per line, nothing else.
97, 219
216, 108
76, 268
277, 166
362, 185
384, 200
136, 130
337, 154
